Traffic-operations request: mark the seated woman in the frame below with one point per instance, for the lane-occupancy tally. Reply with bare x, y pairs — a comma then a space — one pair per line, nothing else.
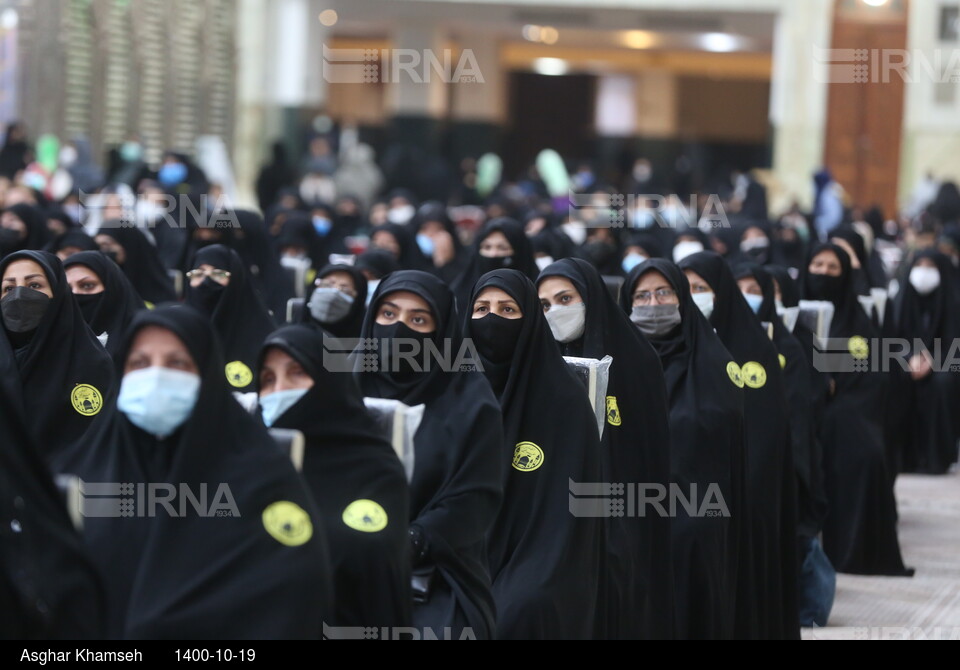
49, 589
22, 227
707, 446
338, 302
353, 473
927, 311
219, 287
770, 609
500, 244
545, 562
860, 530
586, 322
219, 538
456, 488
106, 297
52, 366
139, 259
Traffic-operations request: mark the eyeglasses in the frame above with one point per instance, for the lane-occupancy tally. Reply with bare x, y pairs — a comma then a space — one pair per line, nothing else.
341, 286
661, 294
215, 275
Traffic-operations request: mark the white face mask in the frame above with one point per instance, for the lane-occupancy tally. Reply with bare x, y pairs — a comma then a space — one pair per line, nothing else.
684, 249
576, 232
925, 280
401, 214
296, 262
567, 322
704, 301
543, 262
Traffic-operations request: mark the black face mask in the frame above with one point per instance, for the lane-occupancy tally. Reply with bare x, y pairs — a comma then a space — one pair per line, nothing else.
489, 264
112, 255
599, 253
825, 287
389, 343
23, 309
206, 296
9, 241
89, 305
495, 337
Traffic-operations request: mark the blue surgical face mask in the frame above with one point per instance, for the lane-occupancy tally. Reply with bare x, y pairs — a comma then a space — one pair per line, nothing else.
275, 405
631, 261
322, 225
171, 174
371, 289
158, 400
426, 245
754, 301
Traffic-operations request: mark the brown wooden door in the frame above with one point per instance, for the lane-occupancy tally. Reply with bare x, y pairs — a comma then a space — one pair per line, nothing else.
865, 118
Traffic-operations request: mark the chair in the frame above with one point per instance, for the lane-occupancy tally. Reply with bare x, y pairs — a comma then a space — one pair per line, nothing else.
292, 443
295, 309
177, 278
69, 487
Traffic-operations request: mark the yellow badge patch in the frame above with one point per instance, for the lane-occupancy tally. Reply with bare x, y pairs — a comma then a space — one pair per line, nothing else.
86, 399
238, 374
754, 375
783, 361
613, 412
366, 516
288, 523
736, 376
859, 347
527, 457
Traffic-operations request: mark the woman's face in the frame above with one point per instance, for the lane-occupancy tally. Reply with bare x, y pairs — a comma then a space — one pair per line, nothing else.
28, 274
11, 221
407, 308
697, 283
219, 275
496, 301
83, 280
654, 289
925, 263
154, 346
496, 245
110, 245
383, 239
826, 263
750, 285
342, 281
282, 372
558, 291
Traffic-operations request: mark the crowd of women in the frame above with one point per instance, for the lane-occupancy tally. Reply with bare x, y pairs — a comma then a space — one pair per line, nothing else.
123, 351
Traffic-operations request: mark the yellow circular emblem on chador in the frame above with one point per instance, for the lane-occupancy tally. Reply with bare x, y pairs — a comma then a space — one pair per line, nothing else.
527, 457
366, 516
736, 375
238, 374
288, 523
783, 361
86, 399
859, 347
753, 374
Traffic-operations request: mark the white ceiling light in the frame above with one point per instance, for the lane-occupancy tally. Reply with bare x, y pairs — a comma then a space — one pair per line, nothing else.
550, 66
719, 42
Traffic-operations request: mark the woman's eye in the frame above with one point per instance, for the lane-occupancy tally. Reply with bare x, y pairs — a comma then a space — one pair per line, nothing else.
508, 310
480, 309
35, 286
387, 313
565, 298
418, 320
